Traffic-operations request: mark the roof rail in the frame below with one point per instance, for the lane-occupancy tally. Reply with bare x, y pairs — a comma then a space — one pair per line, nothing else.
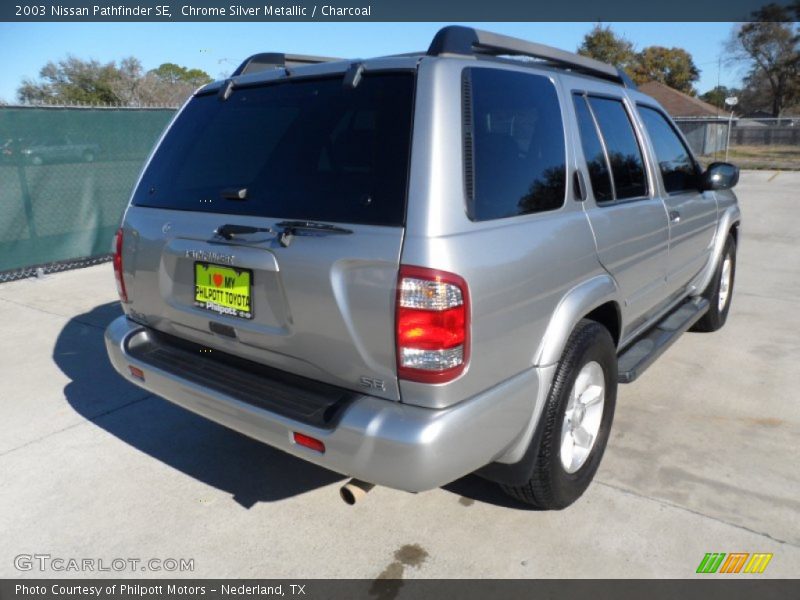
277, 60
456, 39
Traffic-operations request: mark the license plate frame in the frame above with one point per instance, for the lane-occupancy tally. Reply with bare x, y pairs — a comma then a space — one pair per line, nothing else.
218, 290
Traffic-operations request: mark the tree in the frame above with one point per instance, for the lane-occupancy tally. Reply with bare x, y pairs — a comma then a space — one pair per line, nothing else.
167, 85
173, 74
127, 85
717, 95
73, 80
671, 66
603, 44
172, 84
769, 47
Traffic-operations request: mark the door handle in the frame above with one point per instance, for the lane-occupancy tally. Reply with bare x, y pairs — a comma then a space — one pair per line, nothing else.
674, 216
580, 187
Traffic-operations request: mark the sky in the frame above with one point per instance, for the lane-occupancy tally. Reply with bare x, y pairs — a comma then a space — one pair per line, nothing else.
218, 48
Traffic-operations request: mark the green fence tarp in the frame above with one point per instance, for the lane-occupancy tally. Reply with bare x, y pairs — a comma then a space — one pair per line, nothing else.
65, 177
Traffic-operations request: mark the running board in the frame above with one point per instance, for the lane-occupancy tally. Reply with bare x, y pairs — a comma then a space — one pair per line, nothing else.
635, 360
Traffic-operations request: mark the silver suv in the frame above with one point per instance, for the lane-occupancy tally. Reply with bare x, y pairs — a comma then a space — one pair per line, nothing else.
411, 268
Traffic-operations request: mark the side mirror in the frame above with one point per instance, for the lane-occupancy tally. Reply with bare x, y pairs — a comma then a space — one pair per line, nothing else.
720, 176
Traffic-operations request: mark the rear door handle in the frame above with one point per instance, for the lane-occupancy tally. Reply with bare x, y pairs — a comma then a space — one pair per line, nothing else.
580, 187
674, 216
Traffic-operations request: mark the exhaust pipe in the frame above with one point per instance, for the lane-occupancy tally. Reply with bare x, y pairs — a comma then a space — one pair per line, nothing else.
355, 490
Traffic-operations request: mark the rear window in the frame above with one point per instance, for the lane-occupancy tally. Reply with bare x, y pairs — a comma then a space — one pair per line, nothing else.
514, 144
303, 149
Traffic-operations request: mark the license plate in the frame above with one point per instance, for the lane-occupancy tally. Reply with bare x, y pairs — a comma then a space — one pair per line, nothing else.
223, 290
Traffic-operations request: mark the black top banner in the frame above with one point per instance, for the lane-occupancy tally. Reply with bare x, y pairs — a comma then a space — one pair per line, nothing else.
381, 10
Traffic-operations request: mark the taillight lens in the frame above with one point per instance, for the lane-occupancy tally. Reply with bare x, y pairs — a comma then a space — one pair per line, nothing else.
309, 442
432, 325
123, 294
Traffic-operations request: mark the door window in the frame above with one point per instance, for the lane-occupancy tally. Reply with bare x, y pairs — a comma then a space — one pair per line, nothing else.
599, 175
678, 168
624, 153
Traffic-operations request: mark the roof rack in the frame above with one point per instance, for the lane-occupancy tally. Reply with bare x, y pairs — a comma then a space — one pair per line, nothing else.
456, 39
277, 60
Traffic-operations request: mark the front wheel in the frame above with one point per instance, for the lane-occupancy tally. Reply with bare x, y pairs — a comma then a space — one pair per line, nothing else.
576, 420
720, 291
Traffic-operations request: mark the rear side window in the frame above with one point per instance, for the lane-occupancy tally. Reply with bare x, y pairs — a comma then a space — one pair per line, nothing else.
678, 169
624, 154
303, 149
599, 175
514, 144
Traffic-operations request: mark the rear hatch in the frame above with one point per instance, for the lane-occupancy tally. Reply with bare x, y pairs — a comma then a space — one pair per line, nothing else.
269, 225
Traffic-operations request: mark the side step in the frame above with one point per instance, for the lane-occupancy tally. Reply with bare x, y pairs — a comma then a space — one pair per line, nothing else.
635, 360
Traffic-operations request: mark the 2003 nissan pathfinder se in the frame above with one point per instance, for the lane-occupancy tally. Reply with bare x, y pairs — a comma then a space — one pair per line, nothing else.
411, 268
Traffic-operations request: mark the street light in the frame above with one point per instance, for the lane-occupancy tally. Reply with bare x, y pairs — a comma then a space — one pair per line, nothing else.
730, 101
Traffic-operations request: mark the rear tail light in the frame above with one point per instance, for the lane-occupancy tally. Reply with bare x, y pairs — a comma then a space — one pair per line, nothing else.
123, 294
309, 442
432, 333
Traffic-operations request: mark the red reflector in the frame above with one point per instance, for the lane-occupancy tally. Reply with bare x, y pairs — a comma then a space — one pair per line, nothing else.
136, 372
309, 442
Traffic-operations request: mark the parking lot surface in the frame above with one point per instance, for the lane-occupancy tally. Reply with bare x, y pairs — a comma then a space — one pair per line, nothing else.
702, 456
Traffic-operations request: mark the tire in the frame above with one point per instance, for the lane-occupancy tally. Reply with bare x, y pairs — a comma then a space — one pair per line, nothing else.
36, 160
554, 485
88, 156
717, 313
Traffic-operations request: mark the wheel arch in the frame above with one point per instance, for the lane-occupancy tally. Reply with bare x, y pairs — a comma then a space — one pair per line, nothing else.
596, 299
609, 316
734, 231
729, 222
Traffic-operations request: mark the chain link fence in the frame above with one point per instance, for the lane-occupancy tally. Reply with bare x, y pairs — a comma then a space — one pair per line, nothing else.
753, 143
65, 177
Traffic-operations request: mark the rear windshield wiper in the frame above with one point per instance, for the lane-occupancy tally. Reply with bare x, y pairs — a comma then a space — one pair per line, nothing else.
286, 230
292, 228
229, 232
234, 193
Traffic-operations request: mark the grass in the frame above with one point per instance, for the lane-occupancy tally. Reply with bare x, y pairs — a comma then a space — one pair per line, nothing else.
783, 158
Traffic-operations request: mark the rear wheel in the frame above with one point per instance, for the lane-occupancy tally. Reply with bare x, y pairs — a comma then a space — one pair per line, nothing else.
720, 291
88, 156
575, 424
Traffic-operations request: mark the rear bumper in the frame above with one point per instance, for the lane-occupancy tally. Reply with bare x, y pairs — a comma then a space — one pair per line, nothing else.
376, 440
